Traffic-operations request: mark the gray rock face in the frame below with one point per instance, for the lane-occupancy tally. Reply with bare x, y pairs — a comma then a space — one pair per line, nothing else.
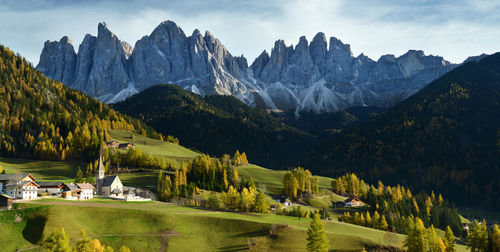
319, 76
58, 59
318, 79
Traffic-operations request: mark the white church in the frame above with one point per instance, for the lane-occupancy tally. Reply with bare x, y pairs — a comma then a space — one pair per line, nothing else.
110, 186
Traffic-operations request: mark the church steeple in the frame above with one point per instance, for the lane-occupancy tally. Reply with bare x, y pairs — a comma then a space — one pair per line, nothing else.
100, 175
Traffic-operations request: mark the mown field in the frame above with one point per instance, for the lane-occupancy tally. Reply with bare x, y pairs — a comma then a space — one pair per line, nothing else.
198, 230
153, 146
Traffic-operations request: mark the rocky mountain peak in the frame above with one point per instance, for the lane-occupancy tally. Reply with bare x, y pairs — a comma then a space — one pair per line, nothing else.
317, 76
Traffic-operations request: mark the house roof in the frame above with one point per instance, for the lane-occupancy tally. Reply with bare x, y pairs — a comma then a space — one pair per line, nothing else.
352, 199
19, 184
15, 177
85, 186
50, 184
109, 180
71, 186
5, 196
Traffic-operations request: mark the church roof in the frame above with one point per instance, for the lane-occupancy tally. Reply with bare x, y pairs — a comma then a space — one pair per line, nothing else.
109, 180
116, 191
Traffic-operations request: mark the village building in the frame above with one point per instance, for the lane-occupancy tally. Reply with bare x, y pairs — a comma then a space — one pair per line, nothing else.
352, 202
19, 186
86, 191
112, 144
126, 146
112, 186
78, 191
70, 191
5, 202
285, 201
50, 188
108, 186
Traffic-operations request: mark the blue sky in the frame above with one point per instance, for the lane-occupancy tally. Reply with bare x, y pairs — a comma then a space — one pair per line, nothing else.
452, 29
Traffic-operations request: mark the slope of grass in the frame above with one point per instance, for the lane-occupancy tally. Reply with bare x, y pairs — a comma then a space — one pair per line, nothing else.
41, 170
153, 146
272, 180
198, 230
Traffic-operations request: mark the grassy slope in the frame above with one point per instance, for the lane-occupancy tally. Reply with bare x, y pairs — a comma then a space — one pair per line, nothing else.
199, 230
153, 146
272, 180
41, 170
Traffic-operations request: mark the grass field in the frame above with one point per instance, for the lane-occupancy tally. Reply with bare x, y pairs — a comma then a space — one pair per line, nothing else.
272, 180
198, 230
153, 146
41, 170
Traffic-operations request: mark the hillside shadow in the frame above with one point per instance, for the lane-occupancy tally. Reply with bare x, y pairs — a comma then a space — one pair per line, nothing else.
253, 233
233, 248
34, 228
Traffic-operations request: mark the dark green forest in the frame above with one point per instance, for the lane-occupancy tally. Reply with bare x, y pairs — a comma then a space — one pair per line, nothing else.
217, 124
444, 138
41, 118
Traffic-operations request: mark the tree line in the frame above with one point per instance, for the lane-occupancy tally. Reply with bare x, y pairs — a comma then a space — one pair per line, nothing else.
397, 205
41, 118
299, 184
59, 241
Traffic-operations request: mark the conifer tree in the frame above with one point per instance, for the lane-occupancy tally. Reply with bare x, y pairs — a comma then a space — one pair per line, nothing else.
316, 236
449, 240
495, 239
57, 241
261, 205
415, 240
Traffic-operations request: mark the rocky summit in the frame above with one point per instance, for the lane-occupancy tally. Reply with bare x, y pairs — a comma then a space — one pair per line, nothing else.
319, 76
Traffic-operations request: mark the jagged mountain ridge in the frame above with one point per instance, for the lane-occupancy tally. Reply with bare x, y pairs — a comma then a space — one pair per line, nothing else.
307, 77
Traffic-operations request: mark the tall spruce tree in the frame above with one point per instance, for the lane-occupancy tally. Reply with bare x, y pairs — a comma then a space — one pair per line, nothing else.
316, 236
449, 240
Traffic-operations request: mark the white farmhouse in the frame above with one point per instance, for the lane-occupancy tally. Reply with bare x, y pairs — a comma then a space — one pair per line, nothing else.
86, 191
19, 186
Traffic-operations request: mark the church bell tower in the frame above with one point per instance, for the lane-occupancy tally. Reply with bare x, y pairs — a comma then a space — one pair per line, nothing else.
99, 180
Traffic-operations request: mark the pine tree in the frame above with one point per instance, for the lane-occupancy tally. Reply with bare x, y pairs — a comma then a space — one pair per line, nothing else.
478, 237
415, 240
383, 223
79, 176
449, 240
57, 241
124, 249
495, 239
261, 205
316, 236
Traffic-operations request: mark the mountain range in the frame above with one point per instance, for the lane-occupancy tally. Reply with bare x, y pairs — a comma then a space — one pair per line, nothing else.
317, 77
445, 137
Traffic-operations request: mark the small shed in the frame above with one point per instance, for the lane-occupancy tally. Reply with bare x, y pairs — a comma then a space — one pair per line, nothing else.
112, 144
6, 201
352, 202
126, 146
50, 188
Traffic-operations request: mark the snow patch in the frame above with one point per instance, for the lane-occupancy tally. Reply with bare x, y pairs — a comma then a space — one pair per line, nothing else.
124, 94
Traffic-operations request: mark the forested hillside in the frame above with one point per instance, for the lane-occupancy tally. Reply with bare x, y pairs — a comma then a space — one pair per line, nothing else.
217, 124
41, 118
445, 138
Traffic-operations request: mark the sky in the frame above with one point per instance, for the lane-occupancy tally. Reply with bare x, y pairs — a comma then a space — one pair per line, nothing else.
452, 29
